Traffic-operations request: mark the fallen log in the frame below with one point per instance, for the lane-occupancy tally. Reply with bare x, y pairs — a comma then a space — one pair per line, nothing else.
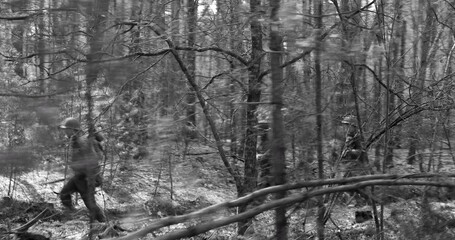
346, 184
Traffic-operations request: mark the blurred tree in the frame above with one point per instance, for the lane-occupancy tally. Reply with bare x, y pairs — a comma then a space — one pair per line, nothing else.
428, 36
97, 12
192, 18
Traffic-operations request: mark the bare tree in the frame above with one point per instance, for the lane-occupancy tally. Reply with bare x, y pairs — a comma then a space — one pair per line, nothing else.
192, 6
253, 99
278, 130
427, 38
318, 109
98, 10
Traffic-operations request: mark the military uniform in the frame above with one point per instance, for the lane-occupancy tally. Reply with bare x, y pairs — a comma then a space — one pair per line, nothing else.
352, 158
84, 161
354, 161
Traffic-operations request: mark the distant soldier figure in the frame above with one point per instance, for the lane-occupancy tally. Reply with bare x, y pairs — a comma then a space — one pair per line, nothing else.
85, 154
352, 145
354, 162
353, 156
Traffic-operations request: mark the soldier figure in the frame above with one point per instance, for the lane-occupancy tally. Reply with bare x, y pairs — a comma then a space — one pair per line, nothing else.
84, 160
352, 147
353, 157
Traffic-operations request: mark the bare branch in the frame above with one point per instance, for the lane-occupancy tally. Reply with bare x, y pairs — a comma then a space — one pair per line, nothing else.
376, 77
125, 84
159, 32
409, 113
215, 49
40, 12
25, 95
233, 171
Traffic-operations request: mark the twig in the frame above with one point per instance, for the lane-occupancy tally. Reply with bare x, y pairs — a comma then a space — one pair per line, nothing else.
159, 176
198, 154
170, 175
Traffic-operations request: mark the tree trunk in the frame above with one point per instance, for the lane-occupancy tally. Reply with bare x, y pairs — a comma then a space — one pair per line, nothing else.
392, 81
253, 97
377, 113
416, 89
378, 67
318, 109
170, 79
236, 46
278, 134
41, 48
98, 10
192, 6
136, 95
349, 34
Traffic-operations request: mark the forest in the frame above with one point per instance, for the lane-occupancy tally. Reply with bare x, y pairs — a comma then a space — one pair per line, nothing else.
227, 119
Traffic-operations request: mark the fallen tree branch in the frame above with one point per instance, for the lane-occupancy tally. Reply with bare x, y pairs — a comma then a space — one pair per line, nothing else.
354, 183
30, 223
19, 17
292, 199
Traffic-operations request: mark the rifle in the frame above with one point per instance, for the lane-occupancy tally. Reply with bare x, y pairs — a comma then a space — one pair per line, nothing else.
55, 181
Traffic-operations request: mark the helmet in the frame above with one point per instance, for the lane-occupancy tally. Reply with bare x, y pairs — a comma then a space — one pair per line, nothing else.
70, 123
350, 120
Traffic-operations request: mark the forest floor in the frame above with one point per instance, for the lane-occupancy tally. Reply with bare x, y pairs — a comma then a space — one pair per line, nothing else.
133, 193
136, 193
